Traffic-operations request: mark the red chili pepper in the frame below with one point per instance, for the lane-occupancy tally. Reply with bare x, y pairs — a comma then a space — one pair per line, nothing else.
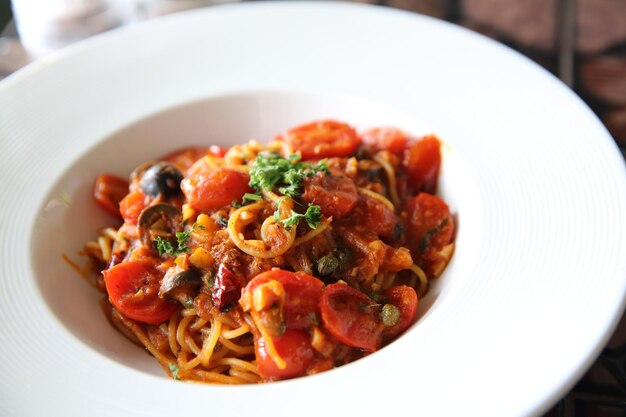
226, 288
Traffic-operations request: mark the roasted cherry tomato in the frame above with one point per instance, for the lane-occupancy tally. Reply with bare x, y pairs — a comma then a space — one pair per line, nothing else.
377, 216
215, 187
302, 295
422, 161
132, 205
430, 225
322, 139
389, 139
335, 194
405, 300
293, 347
133, 289
351, 317
186, 157
108, 191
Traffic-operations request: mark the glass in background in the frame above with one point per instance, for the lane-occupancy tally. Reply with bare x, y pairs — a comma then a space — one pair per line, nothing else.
47, 25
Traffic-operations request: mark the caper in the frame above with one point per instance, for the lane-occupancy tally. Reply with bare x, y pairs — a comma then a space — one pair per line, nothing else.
390, 315
327, 264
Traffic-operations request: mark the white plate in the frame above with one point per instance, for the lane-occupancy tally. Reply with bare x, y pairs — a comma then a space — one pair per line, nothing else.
538, 186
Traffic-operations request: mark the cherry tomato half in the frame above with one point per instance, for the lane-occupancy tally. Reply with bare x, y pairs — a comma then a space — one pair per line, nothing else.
132, 205
215, 187
302, 295
322, 139
351, 317
422, 161
133, 289
108, 191
186, 157
293, 347
377, 216
335, 194
430, 225
405, 299
391, 139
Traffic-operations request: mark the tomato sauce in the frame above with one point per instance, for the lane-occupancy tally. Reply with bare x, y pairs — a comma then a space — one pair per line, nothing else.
292, 258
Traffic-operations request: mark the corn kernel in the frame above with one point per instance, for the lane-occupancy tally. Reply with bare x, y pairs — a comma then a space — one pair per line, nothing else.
188, 212
201, 258
182, 261
204, 221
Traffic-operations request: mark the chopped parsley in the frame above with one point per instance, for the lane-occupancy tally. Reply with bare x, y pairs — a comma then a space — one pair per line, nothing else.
313, 217
272, 170
293, 220
165, 247
277, 212
182, 238
174, 370
248, 198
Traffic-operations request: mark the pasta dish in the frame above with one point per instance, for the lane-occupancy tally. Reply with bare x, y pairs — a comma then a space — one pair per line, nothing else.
258, 263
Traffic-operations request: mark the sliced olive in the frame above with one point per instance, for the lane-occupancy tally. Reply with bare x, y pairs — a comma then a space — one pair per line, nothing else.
181, 285
138, 172
162, 179
158, 220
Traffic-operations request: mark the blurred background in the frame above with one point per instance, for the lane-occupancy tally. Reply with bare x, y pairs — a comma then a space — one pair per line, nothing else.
582, 42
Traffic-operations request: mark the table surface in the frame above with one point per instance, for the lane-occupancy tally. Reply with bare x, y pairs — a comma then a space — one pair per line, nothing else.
602, 391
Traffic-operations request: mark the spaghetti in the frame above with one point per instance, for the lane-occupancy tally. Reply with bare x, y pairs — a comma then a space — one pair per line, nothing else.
259, 263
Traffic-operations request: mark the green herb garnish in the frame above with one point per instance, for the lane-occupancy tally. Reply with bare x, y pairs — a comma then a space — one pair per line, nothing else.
293, 220
248, 198
277, 212
313, 217
165, 247
182, 237
272, 170
174, 370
